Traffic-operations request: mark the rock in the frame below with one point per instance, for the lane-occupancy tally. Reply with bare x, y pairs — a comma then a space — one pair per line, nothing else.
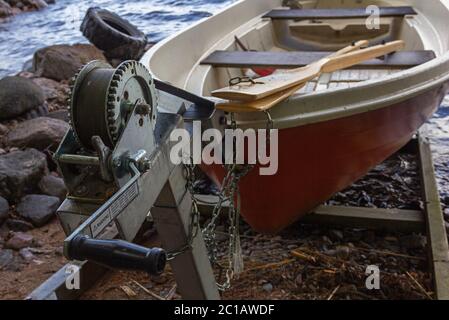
4, 209
62, 115
19, 240
2, 151
40, 133
53, 186
61, 62
21, 171
26, 254
19, 225
446, 214
336, 235
3, 129
343, 252
331, 253
413, 241
6, 257
5, 9
18, 96
38, 4
38, 209
52, 89
268, 287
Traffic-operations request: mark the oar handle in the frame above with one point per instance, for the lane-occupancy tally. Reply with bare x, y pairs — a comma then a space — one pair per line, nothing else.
339, 62
357, 45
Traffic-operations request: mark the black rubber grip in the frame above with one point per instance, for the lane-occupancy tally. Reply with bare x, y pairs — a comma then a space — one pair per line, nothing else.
118, 254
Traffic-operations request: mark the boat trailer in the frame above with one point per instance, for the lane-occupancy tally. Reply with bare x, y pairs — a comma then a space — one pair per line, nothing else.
115, 161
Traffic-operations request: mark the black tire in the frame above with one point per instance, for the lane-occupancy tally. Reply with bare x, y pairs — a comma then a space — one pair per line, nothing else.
117, 37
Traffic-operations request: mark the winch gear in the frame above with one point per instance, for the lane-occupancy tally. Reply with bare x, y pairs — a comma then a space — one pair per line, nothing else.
102, 98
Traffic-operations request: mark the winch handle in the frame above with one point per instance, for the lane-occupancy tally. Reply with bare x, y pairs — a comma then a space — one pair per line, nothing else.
118, 254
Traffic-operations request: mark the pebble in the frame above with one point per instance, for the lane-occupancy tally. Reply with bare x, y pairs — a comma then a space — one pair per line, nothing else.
336, 235
6, 257
343, 252
26, 254
4, 210
413, 241
19, 225
19, 240
3, 129
268, 287
446, 214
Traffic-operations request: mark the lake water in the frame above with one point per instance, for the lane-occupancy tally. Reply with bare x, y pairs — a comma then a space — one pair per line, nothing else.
23, 34
59, 23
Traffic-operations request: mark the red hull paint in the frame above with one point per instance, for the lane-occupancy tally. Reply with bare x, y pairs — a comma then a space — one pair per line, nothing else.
318, 160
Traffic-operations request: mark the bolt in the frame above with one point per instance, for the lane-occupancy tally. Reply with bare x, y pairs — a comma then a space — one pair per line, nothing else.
117, 162
143, 109
81, 190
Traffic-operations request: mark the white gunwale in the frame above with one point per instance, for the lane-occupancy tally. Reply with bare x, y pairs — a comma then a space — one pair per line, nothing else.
176, 60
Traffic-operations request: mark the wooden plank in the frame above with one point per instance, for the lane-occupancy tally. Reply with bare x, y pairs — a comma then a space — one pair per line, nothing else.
289, 60
370, 218
436, 231
347, 13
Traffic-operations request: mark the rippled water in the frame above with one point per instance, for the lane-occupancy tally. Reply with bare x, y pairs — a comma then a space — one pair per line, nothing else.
23, 34
59, 23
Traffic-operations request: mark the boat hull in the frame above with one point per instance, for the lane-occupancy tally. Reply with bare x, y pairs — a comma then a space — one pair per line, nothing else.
320, 159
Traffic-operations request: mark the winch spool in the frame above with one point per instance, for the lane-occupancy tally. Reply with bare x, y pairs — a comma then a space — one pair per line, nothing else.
102, 98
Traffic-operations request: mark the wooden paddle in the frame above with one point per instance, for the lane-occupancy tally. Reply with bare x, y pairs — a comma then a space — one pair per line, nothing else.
274, 99
266, 86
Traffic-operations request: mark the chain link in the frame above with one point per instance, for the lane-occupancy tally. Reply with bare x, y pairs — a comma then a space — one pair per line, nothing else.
230, 193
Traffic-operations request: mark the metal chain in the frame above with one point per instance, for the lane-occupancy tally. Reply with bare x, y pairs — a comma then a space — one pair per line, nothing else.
229, 192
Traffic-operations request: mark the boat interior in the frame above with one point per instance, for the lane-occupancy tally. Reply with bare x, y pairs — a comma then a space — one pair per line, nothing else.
286, 38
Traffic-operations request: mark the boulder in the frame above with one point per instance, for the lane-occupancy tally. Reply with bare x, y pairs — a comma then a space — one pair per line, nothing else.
5, 9
61, 62
19, 240
38, 209
18, 96
4, 210
21, 171
53, 186
39, 133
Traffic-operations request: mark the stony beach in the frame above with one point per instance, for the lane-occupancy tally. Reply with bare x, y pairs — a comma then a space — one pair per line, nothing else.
303, 262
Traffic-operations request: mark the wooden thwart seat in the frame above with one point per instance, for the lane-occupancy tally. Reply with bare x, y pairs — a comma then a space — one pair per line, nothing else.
289, 60
350, 13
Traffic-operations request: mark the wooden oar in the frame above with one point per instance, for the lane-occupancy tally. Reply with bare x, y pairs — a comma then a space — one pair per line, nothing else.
274, 99
265, 86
